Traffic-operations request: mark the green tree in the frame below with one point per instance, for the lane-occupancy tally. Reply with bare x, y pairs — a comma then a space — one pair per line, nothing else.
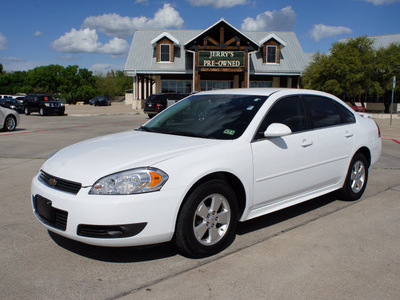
348, 70
387, 66
115, 83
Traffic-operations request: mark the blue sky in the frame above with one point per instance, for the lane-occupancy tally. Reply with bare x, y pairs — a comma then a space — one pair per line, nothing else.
97, 34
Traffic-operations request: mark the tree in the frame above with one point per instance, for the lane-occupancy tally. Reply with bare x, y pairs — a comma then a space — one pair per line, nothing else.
347, 71
387, 66
115, 83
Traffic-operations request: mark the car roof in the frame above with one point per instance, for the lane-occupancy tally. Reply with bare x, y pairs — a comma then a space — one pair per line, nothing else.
265, 92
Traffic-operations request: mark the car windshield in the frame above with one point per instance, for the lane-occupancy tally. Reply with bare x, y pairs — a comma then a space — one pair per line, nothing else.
208, 116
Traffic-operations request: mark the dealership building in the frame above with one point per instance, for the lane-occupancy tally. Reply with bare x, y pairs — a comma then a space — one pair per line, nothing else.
221, 56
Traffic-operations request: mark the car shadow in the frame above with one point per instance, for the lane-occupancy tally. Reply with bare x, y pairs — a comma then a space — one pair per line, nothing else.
284, 214
116, 254
165, 250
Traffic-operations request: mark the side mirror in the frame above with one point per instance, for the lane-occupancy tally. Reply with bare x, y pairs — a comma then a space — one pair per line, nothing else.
277, 130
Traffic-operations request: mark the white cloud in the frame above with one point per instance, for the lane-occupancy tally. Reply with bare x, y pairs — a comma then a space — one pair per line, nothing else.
101, 68
281, 20
38, 33
321, 31
12, 64
3, 42
381, 2
86, 40
115, 25
218, 3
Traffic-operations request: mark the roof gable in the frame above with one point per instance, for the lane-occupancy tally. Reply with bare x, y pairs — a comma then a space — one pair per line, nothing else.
165, 35
275, 37
221, 33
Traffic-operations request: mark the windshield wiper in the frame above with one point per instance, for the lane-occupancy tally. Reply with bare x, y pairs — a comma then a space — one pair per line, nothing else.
144, 128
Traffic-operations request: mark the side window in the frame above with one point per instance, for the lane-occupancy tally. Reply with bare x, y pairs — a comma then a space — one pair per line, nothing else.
164, 53
288, 111
347, 115
323, 111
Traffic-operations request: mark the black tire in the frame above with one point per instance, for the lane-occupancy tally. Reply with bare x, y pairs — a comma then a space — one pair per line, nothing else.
10, 123
216, 225
42, 111
356, 179
27, 111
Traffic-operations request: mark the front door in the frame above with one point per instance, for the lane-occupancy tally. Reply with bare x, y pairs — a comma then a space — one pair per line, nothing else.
283, 166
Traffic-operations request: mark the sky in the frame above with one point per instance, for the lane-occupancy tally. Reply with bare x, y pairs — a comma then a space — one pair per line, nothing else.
97, 34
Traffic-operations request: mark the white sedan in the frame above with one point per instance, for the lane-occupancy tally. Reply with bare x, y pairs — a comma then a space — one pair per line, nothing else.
211, 160
9, 119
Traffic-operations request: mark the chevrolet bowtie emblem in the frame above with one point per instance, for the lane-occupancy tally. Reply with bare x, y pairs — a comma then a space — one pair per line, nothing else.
52, 181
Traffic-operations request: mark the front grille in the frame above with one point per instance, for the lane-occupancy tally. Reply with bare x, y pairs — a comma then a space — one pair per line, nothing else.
59, 184
49, 215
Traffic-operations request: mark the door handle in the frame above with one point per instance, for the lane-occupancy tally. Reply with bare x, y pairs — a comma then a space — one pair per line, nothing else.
306, 143
348, 134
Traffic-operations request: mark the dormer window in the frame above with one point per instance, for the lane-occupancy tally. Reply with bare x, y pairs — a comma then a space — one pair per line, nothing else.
166, 46
165, 53
271, 54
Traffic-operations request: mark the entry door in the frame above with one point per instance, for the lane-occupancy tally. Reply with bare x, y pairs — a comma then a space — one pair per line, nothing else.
283, 166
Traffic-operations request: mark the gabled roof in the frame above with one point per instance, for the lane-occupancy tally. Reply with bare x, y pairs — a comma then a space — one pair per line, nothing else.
381, 41
222, 21
275, 37
142, 58
165, 35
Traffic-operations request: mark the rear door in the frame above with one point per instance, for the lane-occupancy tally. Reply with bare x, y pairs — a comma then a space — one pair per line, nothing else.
334, 139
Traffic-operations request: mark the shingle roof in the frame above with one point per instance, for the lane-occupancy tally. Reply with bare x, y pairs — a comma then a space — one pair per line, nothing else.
142, 56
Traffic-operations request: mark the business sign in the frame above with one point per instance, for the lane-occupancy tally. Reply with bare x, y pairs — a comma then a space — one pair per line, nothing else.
221, 59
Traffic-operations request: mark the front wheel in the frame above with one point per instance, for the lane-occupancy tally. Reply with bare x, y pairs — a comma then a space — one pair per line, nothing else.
42, 112
207, 222
27, 111
10, 123
356, 179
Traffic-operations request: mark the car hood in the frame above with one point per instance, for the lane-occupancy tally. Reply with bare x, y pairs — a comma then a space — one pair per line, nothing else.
90, 160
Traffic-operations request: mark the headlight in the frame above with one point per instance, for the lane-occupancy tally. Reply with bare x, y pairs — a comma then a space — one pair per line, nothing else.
135, 181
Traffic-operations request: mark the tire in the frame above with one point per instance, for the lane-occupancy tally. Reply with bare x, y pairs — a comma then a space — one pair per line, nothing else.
27, 111
10, 123
42, 112
203, 229
356, 179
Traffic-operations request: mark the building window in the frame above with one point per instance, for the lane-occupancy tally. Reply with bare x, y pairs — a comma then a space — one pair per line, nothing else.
271, 54
176, 86
165, 53
209, 85
260, 84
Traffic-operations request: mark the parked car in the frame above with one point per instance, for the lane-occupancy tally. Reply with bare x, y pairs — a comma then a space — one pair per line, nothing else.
358, 108
20, 99
156, 103
43, 104
12, 104
9, 119
100, 100
213, 159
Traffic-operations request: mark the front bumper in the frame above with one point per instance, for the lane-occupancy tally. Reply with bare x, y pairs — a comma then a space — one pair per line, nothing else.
107, 220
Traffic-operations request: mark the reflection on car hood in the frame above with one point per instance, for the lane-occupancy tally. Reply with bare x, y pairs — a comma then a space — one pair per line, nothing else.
90, 160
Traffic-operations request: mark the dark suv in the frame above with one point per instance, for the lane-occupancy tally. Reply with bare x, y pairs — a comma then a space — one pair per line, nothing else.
43, 104
158, 102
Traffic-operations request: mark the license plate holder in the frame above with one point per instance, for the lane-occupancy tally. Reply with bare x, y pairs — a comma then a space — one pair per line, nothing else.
45, 209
